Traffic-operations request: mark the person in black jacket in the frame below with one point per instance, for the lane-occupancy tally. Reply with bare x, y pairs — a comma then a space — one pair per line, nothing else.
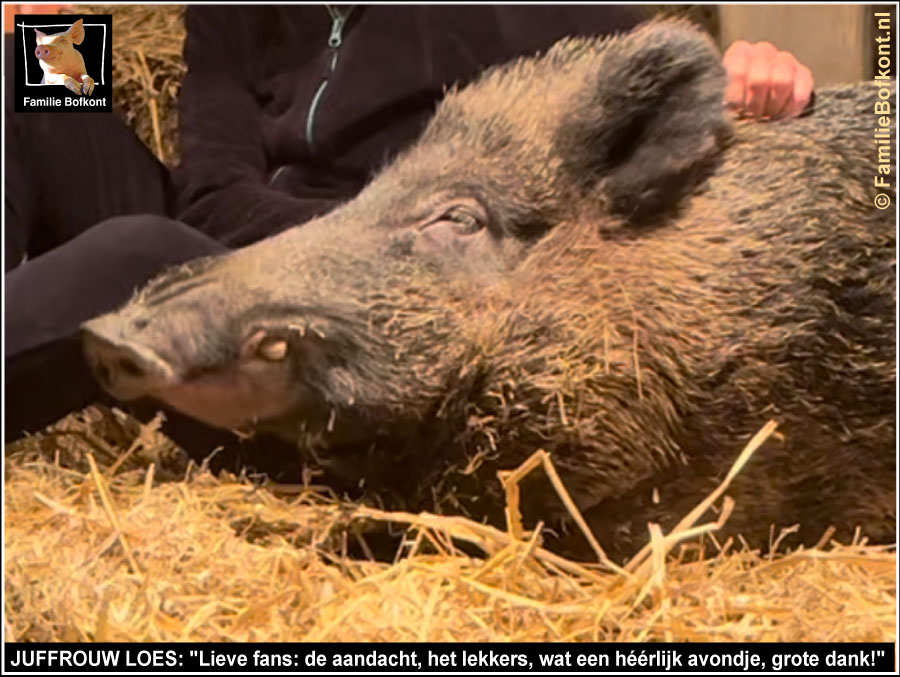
285, 112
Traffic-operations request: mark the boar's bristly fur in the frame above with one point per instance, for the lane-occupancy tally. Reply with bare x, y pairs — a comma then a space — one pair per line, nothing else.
581, 254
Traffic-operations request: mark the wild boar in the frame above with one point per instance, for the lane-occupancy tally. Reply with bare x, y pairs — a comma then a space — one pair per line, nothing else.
580, 254
61, 62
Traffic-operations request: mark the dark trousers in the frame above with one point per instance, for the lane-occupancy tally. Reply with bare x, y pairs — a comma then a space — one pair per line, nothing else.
88, 212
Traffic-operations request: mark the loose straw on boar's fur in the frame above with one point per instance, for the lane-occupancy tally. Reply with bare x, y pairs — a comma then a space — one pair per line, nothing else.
108, 552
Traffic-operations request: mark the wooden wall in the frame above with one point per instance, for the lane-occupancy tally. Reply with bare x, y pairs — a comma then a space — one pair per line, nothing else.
833, 40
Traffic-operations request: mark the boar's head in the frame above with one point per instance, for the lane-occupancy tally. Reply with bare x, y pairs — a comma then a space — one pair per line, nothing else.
379, 318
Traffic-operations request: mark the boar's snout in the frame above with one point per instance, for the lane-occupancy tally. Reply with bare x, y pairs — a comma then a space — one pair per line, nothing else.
128, 371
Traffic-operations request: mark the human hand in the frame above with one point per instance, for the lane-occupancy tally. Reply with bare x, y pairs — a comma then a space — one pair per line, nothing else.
764, 82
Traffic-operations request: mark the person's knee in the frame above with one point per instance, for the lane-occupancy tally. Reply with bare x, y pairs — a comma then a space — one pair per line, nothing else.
153, 239
139, 231
48, 297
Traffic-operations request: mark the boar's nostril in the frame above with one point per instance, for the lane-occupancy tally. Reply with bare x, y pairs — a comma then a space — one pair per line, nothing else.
102, 372
130, 367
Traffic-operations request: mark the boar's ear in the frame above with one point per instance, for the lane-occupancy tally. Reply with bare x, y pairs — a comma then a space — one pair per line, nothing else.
77, 32
39, 35
652, 120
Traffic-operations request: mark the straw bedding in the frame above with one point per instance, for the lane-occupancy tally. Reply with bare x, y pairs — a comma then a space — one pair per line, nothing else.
103, 544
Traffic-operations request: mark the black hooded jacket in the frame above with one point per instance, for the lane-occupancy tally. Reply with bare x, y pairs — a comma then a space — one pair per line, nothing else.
286, 111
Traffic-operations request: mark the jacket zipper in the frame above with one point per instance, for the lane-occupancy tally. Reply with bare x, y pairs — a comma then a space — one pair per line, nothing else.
338, 21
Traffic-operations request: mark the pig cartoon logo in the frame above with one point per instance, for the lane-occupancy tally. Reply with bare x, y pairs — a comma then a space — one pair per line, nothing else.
61, 62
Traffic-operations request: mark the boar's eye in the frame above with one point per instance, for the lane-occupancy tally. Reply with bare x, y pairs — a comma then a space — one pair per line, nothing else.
466, 219
454, 228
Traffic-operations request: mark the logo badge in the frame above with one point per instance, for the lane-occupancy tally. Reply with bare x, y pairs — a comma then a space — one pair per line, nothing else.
63, 62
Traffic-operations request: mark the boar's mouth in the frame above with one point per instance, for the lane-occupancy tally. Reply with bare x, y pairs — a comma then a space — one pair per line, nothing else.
233, 395
293, 384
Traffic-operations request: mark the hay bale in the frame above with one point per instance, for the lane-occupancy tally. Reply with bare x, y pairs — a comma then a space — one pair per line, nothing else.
147, 70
